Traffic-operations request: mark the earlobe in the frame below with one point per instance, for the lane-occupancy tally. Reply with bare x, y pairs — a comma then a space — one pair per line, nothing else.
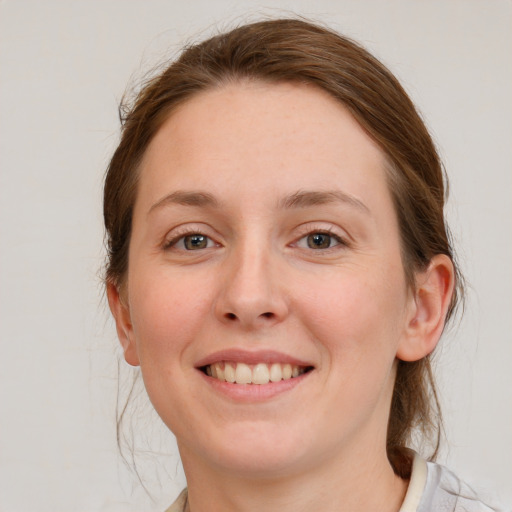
121, 313
429, 306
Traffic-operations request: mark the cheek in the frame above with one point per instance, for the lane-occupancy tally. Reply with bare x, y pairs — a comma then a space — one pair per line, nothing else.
167, 313
358, 313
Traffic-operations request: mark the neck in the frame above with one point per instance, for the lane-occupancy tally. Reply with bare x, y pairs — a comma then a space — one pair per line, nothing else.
355, 483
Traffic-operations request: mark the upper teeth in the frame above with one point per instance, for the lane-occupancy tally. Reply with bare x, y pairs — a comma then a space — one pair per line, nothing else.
261, 373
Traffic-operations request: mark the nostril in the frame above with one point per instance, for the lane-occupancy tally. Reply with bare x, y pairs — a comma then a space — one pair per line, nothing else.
232, 316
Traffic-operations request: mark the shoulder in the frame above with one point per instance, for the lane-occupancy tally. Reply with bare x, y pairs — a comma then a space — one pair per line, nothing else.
443, 491
180, 503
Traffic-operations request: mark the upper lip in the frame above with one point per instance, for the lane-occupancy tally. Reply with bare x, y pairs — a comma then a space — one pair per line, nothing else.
250, 357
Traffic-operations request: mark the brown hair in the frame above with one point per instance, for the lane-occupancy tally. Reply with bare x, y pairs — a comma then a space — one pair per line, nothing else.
290, 50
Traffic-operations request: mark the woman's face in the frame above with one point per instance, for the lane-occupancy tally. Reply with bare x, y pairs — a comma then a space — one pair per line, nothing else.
264, 244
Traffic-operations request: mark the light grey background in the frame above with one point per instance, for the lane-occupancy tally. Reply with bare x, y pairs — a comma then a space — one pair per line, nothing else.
64, 66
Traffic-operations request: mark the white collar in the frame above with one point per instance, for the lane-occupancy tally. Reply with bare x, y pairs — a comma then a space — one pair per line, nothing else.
416, 485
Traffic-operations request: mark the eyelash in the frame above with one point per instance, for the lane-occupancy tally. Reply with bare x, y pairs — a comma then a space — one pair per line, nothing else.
181, 236
173, 242
341, 242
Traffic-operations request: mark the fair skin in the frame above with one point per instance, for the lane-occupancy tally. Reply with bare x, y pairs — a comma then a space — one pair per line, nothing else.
264, 235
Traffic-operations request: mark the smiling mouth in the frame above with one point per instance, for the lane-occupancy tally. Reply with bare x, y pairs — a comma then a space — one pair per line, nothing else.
259, 374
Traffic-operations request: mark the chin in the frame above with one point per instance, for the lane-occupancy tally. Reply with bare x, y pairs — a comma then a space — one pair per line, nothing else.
254, 452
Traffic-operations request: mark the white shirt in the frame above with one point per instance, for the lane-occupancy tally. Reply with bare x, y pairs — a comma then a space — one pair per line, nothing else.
432, 488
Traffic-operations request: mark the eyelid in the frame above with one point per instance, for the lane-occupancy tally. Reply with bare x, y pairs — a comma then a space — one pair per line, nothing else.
179, 232
310, 228
323, 227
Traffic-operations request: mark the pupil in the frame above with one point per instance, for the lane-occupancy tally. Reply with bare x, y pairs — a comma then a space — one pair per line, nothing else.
319, 241
195, 242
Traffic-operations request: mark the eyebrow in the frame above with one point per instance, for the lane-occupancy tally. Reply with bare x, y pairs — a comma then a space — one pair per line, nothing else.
299, 199
305, 199
187, 198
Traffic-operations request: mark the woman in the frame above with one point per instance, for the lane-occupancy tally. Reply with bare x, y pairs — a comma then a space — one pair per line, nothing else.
280, 269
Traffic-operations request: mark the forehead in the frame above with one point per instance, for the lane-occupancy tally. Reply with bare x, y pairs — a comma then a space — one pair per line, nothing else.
262, 135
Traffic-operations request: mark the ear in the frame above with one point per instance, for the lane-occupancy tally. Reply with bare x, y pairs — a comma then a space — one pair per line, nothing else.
429, 304
121, 313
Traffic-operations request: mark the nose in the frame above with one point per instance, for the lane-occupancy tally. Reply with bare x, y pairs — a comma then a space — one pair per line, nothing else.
251, 292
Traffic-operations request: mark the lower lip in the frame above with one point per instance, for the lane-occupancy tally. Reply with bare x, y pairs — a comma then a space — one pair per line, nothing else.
254, 392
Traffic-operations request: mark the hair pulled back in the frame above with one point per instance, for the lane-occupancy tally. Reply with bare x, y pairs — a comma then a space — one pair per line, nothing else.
290, 50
